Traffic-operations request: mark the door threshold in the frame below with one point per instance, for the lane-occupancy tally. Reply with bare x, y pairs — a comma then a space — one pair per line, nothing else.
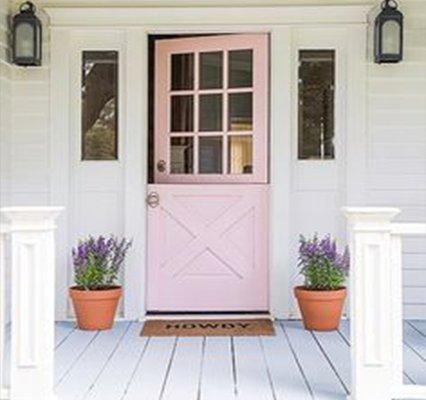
155, 316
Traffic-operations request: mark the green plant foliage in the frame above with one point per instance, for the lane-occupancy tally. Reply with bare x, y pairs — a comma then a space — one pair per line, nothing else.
322, 266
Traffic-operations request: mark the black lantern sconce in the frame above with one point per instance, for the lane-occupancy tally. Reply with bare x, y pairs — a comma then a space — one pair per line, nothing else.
388, 33
26, 36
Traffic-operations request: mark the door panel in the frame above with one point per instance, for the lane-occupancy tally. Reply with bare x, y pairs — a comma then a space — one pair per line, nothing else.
207, 218
210, 107
208, 248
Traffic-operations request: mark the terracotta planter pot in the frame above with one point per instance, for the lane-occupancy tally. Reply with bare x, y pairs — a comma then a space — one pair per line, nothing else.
95, 309
321, 310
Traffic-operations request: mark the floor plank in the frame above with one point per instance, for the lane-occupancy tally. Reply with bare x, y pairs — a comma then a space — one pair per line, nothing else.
414, 339
217, 380
287, 377
184, 376
253, 382
87, 368
321, 377
115, 378
62, 331
152, 370
294, 364
70, 351
335, 349
414, 366
419, 325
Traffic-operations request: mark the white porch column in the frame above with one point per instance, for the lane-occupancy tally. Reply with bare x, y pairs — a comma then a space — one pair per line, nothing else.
4, 393
32, 331
372, 286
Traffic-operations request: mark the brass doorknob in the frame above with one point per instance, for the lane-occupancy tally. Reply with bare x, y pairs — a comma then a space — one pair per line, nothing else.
161, 166
153, 199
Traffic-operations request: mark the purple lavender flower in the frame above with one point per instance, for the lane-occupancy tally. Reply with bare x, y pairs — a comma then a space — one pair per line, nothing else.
322, 265
97, 261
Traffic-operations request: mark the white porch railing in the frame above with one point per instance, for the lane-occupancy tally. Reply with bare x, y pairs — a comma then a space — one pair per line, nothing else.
376, 304
31, 237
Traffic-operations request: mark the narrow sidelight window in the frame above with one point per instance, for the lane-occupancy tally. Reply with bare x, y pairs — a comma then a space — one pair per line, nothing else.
99, 102
316, 104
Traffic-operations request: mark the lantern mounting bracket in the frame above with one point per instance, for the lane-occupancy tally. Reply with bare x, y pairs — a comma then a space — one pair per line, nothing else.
29, 7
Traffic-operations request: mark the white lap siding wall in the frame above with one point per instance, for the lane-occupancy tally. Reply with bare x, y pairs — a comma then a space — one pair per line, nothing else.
5, 106
397, 146
5, 125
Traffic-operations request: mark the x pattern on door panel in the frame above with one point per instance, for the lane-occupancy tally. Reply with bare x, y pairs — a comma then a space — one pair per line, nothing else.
211, 244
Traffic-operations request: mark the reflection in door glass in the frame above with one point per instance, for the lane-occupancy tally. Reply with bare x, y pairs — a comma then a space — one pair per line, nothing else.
210, 161
99, 105
240, 112
181, 155
240, 154
210, 112
211, 70
240, 68
182, 113
316, 104
182, 71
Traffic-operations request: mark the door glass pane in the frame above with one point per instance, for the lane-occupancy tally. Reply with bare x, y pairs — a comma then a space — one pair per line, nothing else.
182, 113
181, 155
210, 161
316, 104
182, 71
240, 68
99, 105
240, 112
240, 154
210, 112
211, 70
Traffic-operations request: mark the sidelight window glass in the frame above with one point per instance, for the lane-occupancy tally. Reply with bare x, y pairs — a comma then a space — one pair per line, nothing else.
316, 104
99, 105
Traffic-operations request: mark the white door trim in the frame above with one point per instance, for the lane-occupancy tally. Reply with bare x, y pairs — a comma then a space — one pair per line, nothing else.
135, 24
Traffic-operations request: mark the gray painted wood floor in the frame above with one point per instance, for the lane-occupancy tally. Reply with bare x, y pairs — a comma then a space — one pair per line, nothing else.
293, 365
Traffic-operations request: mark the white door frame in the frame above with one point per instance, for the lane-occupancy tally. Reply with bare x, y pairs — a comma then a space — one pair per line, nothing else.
134, 25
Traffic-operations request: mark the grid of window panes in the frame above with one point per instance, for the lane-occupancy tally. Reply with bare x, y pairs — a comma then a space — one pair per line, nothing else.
316, 104
99, 105
211, 112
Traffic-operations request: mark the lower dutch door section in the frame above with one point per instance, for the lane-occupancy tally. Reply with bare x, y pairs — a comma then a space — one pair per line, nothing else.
208, 248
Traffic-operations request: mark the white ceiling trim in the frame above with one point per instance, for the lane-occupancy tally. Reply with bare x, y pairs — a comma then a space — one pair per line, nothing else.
162, 16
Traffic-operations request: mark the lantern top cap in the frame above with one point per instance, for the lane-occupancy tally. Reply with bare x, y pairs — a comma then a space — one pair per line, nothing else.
27, 8
389, 4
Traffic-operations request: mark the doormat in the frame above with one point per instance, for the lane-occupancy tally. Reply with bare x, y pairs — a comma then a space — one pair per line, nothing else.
209, 327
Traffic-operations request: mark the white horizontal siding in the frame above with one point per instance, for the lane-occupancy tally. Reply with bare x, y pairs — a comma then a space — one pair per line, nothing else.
28, 147
5, 127
397, 146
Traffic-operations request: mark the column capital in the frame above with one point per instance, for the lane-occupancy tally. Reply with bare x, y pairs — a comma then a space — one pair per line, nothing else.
30, 218
375, 215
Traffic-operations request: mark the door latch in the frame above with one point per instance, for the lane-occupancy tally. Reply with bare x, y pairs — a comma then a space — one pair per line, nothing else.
153, 199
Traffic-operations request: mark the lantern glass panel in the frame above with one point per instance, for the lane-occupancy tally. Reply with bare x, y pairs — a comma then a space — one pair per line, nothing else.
390, 37
25, 40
